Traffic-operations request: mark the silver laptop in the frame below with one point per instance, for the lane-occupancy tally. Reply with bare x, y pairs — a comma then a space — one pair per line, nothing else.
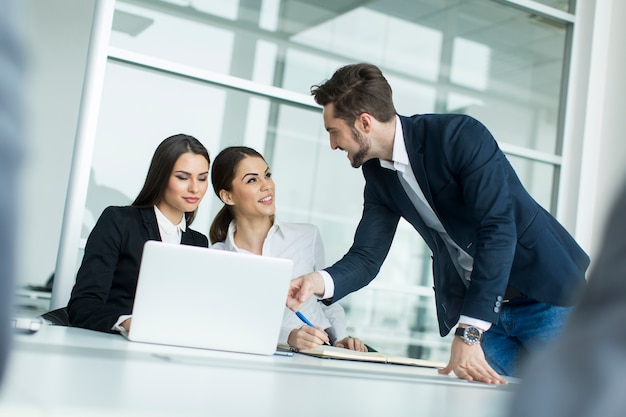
208, 298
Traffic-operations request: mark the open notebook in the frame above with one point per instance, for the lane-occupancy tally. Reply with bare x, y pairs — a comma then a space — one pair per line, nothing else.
332, 352
208, 298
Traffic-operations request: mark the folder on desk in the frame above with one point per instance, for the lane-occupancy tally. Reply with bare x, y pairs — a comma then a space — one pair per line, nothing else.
333, 352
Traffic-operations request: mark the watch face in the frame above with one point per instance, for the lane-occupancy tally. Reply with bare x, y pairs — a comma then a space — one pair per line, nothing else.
472, 335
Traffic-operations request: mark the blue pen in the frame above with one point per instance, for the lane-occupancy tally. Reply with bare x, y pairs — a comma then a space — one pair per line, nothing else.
306, 321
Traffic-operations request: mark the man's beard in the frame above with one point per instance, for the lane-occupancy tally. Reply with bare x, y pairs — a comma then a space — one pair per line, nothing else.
364, 147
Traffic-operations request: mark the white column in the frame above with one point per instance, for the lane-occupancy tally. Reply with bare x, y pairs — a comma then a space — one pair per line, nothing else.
83, 151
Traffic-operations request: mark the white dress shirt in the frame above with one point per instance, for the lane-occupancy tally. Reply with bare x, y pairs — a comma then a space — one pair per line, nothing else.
170, 232
302, 244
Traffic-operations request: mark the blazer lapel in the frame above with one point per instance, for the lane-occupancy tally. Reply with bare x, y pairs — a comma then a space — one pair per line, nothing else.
150, 223
187, 238
413, 144
416, 158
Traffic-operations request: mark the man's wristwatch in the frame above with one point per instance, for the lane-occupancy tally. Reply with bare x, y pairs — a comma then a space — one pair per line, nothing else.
470, 334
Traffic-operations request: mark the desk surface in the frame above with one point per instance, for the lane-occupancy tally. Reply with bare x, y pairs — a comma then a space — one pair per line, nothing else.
62, 371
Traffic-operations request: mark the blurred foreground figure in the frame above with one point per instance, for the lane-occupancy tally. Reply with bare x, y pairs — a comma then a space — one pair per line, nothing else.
584, 373
11, 95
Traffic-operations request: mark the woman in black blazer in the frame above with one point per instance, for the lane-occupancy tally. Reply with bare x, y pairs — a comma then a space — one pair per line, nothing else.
102, 298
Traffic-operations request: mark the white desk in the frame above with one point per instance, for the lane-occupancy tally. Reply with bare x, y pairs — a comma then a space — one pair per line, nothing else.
63, 371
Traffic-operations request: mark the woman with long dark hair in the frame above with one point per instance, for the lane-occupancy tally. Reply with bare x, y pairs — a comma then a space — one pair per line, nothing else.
177, 180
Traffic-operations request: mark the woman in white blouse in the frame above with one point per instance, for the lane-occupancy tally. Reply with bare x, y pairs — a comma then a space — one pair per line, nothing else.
247, 223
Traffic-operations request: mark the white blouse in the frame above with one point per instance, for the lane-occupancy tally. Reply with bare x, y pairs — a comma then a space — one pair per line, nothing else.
301, 243
170, 232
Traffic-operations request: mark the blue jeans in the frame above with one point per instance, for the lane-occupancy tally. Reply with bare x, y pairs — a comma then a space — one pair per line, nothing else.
525, 325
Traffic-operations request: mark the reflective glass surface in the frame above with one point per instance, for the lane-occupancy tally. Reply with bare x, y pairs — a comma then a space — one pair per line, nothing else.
479, 57
494, 62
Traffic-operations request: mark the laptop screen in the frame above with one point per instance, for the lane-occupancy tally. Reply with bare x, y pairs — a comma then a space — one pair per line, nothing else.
208, 298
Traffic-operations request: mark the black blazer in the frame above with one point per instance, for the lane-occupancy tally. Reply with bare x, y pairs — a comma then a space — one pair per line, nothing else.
107, 278
486, 211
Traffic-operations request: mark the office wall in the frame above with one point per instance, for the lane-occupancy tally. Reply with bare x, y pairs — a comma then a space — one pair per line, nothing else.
57, 34
604, 151
612, 157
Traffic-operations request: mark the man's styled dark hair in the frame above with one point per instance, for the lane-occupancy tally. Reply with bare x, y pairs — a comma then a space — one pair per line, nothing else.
355, 89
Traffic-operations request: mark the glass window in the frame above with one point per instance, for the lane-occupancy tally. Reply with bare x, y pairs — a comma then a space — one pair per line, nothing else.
139, 109
537, 177
563, 5
495, 62
487, 59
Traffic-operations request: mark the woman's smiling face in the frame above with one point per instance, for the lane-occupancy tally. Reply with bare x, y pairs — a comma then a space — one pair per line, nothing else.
186, 187
253, 189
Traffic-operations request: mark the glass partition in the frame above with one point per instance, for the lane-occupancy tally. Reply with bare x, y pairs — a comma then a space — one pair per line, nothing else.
498, 62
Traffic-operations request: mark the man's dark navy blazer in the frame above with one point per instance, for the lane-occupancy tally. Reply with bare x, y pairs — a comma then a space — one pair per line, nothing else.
484, 208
